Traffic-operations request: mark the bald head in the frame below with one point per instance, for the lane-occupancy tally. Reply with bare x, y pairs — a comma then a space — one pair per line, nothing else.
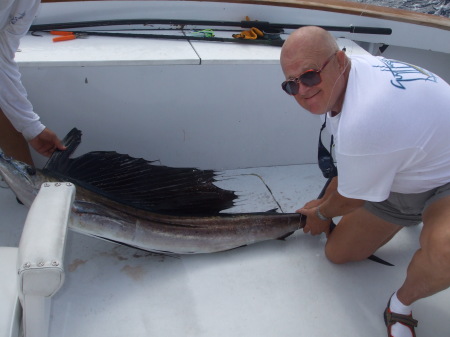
310, 49
306, 42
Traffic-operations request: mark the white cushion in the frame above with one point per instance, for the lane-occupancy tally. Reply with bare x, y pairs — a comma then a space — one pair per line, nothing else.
34, 272
10, 309
41, 248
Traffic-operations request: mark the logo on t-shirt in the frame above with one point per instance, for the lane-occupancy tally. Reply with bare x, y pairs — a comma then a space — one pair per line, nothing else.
404, 72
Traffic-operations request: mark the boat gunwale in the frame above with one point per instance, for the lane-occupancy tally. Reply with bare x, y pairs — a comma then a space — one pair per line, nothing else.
336, 6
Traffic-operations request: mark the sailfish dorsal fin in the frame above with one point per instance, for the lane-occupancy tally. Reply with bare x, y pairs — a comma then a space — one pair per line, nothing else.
140, 183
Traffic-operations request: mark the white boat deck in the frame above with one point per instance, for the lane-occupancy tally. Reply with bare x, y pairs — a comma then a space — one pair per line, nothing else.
275, 288
218, 106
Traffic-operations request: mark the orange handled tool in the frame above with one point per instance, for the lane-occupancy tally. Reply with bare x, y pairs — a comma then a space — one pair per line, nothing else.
251, 34
66, 36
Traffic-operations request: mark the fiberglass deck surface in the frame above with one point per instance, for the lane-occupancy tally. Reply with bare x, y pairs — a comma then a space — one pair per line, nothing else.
274, 288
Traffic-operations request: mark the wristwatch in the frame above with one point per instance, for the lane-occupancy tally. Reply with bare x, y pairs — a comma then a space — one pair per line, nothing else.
320, 215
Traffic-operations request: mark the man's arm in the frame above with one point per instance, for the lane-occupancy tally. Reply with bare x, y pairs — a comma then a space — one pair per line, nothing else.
331, 205
14, 103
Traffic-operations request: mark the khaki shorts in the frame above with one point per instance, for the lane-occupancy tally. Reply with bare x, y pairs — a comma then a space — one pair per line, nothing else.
406, 209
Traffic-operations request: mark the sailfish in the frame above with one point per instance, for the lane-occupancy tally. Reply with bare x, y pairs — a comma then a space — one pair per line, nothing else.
152, 207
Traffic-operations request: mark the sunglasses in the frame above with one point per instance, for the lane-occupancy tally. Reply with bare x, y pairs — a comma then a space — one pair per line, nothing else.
309, 78
325, 159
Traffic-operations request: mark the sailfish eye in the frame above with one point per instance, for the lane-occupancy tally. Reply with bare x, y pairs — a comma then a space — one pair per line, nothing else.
31, 170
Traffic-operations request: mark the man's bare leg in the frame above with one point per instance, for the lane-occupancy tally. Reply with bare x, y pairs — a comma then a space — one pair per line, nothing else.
12, 142
429, 270
358, 235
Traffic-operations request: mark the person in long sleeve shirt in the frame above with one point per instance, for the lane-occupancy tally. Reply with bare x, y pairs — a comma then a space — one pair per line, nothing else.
19, 123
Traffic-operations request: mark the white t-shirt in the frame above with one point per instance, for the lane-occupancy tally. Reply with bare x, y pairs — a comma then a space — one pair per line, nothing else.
16, 17
393, 131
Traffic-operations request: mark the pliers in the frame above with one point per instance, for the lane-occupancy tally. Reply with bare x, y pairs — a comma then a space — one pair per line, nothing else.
66, 36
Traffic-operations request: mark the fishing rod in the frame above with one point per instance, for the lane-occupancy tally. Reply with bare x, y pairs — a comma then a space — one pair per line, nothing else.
262, 25
268, 42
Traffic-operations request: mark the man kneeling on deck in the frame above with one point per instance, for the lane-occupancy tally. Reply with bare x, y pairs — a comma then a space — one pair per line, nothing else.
390, 124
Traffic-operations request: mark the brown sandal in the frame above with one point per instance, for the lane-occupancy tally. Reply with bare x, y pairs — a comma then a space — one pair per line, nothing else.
390, 318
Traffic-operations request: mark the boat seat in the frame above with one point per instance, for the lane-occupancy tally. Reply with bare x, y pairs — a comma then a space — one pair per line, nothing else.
33, 272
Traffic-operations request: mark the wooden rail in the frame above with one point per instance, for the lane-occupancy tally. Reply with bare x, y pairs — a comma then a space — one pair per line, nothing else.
338, 6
